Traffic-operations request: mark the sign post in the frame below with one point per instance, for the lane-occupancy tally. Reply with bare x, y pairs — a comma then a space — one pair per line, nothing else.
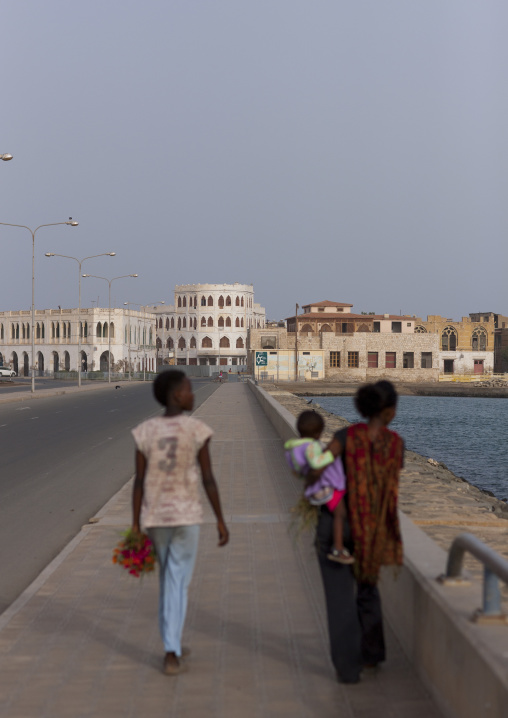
261, 360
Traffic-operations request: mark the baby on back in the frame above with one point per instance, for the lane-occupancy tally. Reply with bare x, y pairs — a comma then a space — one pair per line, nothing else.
324, 476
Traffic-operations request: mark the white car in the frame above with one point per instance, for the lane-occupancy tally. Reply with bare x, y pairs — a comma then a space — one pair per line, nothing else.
5, 371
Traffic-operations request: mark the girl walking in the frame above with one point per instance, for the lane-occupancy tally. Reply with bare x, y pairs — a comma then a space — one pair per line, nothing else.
171, 452
373, 457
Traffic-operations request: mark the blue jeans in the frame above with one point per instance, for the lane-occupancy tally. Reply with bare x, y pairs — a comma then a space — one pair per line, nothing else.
176, 548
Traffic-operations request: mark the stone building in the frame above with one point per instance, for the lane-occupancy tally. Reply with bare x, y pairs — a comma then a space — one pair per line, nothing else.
130, 334
500, 338
466, 347
333, 343
208, 324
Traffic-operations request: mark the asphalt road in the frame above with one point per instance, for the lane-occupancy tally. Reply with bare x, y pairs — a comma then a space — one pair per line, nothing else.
61, 459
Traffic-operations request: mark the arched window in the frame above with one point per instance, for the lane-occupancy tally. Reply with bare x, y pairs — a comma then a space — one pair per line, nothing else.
160, 323
172, 322
306, 328
242, 302
203, 301
228, 321
99, 330
449, 339
195, 323
1, 331
170, 343
479, 339
150, 337
210, 301
221, 323
179, 323
241, 322
43, 331
228, 301
237, 302
221, 302
192, 343
179, 301
112, 330
105, 330
206, 343
184, 323
195, 301
167, 322
224, 343
210, 321
239, 343
203, 321
181, 343
420, 329
237, 322
184, 303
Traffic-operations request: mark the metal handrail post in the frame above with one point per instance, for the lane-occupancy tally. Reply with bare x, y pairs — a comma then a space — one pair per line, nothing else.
495, 567
491, 593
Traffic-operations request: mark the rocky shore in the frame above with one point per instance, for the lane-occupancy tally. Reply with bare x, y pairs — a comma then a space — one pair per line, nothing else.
493, 389
442, 504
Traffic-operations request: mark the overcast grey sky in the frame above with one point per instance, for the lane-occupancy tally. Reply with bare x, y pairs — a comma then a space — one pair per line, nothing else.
352, 151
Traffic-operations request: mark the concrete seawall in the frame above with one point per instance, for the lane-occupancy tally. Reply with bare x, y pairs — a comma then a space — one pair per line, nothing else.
463, 664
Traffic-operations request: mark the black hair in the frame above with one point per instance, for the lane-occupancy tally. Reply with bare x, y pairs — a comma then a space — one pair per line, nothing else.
372, 399
165, 383
309, 423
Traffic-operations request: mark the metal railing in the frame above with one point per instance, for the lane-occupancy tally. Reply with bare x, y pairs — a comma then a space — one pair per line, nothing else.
495, 567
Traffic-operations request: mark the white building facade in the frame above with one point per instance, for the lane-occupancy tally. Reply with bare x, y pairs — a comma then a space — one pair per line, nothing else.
129, 336
208, 324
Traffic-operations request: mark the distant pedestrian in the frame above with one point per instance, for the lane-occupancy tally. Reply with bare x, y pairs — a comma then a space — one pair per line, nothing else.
220, 376
171, 450
372, 457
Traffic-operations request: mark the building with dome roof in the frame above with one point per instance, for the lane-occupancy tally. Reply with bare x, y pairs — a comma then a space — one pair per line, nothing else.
208, 324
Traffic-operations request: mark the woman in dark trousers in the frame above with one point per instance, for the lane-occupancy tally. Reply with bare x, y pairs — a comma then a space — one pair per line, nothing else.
372, 457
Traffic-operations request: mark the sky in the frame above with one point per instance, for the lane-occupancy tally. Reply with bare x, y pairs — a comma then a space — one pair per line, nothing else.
350, 151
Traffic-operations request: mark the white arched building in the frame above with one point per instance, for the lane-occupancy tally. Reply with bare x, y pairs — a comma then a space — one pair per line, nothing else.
130, 335
208, 324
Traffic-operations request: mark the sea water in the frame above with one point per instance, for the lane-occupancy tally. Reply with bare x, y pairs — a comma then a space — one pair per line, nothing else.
469, 435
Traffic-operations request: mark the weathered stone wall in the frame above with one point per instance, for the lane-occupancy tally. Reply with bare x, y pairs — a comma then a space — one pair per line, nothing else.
363, 343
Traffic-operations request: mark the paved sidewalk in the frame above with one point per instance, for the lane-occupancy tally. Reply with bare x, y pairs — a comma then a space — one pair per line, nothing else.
83, 641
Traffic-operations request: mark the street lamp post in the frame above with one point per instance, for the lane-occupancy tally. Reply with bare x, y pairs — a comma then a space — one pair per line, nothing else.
109, 281
80, 262
70, 222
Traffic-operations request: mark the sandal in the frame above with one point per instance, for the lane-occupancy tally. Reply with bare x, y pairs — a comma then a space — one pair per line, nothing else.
343, 556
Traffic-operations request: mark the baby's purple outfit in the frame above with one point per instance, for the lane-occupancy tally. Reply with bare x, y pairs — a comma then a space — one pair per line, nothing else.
333, 476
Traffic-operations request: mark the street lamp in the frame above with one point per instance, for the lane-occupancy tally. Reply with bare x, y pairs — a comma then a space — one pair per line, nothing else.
109, 281
70, 222
6, 157
80, 262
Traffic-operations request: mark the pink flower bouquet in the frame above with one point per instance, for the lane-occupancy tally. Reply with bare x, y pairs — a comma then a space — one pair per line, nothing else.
136, 553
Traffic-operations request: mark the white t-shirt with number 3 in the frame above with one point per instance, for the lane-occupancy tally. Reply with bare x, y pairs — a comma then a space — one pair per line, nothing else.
171, 494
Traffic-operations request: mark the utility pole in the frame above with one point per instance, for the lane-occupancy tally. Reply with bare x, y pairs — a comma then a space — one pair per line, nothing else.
296, 342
